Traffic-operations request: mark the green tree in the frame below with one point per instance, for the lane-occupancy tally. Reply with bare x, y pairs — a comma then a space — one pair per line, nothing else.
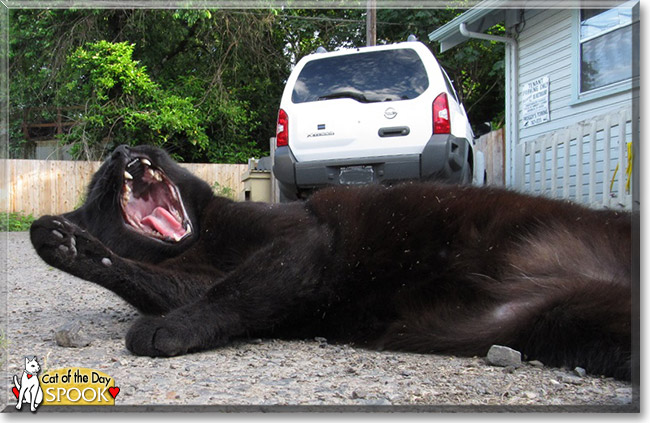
122, 105
227, 66
221, 71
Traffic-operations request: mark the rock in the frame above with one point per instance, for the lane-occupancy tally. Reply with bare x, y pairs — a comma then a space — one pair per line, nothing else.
71, 335
501, 356
359, 394
580, 371
536, 363
573, 380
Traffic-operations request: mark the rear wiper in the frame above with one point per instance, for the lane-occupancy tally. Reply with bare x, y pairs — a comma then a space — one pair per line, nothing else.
347, 94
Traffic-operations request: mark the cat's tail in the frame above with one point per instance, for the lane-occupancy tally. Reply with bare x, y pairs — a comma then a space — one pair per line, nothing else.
16, 384
572, 323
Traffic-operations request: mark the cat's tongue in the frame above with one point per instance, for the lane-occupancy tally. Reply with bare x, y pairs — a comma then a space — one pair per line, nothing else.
162, 221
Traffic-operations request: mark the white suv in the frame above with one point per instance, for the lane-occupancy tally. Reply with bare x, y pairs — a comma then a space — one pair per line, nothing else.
372, 114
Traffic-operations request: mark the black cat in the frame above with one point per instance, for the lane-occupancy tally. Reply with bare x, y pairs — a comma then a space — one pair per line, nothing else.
417, 267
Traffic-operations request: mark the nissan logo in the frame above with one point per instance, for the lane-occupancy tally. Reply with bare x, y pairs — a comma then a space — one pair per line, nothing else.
390, 113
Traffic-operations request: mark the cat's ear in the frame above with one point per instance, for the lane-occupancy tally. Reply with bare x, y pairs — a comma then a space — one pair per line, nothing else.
26, 361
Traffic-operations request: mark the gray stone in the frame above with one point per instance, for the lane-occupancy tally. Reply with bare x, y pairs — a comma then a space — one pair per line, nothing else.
499, 355
71, 335
580, 371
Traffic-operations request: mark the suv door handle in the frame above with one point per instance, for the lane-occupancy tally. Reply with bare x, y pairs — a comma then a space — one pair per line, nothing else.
395, 131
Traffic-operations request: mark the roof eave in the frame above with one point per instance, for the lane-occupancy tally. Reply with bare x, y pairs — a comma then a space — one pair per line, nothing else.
449, 35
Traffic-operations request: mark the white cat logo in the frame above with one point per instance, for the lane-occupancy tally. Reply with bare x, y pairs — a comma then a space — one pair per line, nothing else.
29, 389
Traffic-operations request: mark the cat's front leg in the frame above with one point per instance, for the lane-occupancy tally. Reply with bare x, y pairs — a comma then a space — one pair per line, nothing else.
33, 395
66, 246
21, 396
195, 327
151, 289
271, 288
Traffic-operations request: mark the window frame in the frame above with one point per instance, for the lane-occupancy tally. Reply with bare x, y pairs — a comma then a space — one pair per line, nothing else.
578, 97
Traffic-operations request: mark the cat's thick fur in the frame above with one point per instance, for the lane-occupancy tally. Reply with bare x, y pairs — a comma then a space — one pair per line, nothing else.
417, 267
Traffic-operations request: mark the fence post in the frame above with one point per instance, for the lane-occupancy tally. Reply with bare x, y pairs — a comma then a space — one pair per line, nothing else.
622, 155
592, 162
580, 158
275, 189
567, 163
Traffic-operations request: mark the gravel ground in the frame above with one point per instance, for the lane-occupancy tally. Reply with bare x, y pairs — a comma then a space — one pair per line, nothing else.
267, 374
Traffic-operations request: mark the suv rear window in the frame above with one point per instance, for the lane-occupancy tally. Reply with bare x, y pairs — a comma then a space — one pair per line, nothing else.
385, 75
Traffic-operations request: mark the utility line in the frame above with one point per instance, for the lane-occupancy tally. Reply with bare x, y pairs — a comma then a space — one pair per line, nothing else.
316, 18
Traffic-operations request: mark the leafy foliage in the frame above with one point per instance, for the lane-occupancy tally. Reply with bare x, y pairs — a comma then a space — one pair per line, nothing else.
203, 84
123, 104
15, 222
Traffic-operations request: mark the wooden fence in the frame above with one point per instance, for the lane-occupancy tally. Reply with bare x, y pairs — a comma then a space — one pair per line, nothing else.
40, 187
589, 162
492, 145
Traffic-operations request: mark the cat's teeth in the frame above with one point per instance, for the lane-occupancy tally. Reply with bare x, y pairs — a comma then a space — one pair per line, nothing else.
145, 161
127, 175
155, 174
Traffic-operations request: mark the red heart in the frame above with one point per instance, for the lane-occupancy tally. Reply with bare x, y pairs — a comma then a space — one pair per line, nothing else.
15, 391
29, 376
113, 391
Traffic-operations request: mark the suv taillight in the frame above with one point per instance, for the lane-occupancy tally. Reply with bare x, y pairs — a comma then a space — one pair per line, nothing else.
282, 129
441, 123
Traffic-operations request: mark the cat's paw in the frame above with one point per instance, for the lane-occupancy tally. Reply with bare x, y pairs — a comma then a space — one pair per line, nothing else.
62, 244
158, 337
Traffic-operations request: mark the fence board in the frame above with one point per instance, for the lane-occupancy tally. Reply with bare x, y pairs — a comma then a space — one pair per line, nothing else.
492, 145
40, 187
590, 151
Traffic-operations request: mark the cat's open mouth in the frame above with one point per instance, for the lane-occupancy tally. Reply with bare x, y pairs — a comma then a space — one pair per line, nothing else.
151, 203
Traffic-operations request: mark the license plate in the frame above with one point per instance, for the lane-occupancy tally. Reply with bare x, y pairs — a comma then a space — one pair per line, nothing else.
356, 175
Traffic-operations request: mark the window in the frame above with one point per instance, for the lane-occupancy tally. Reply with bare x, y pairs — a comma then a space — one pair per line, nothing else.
374, 76
607, 40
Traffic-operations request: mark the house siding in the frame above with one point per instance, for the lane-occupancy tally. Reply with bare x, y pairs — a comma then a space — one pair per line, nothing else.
548, 47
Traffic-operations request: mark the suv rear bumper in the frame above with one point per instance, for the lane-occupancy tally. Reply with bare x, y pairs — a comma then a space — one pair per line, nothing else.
443, 157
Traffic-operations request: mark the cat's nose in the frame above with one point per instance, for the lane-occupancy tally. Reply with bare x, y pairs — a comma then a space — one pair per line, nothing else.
121, 151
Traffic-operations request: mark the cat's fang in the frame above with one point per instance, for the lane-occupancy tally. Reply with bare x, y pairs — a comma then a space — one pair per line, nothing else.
127, 175
145, 161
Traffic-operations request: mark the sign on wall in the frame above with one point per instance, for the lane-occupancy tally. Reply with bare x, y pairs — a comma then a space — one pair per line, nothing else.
534, 102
